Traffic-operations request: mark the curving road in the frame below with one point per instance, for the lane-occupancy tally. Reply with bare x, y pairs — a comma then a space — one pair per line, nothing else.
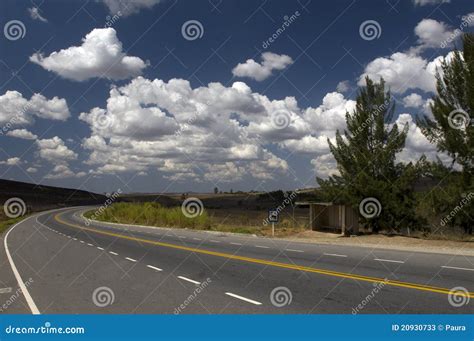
71, 267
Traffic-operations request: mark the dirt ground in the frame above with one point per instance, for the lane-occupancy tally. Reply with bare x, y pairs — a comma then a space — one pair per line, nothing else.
389, 242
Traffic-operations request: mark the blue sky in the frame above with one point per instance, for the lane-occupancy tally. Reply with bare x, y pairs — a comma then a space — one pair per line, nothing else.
205, 121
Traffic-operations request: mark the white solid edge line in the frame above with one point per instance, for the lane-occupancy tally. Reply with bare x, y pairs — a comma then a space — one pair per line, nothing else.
456, 268
189, 280
21, 284
388, 260
130, 259
154, 268
243, 298
334, 255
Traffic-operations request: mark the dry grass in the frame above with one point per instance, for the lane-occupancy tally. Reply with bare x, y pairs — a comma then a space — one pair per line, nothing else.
235, 221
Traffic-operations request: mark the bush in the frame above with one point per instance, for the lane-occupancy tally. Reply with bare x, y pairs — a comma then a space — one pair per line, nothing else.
152, 214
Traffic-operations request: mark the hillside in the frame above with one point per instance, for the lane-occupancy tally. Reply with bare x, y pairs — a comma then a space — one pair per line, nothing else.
40, 197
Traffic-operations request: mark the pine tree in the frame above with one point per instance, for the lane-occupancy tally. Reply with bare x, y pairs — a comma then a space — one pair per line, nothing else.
452, 130
365, 157
453, 108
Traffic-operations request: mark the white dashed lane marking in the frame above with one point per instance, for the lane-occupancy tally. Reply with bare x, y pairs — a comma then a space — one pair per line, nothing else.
189, 280
243, 298
293, 250
334, 255
236, 244
262, 247
100, 248
456, 268
154, 268
130, 259
113, 253
389, 260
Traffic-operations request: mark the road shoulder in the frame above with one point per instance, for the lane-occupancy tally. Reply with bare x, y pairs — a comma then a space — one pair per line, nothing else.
383, 242
12, 300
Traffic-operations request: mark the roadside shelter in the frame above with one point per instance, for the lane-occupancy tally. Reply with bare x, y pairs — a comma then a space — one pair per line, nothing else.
329, 216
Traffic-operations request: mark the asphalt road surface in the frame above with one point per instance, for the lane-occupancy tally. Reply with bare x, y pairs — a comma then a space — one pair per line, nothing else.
67, 266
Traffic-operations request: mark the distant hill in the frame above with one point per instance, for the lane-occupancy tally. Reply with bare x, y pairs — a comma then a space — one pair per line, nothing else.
40, 197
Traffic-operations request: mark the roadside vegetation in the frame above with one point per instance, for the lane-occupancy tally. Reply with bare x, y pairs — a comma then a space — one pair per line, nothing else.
6, 222
154, 214
150, 214
366, 156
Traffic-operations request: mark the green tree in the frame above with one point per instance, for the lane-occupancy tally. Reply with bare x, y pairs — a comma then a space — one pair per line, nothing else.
365, 157
453, 108
452, 130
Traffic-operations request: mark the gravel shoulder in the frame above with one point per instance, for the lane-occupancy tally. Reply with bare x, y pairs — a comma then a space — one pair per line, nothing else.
390, 242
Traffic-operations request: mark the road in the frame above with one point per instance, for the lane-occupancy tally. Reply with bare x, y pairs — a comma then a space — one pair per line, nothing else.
72, 267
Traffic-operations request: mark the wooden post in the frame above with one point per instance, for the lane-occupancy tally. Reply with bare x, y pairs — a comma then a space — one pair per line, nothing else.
343, 218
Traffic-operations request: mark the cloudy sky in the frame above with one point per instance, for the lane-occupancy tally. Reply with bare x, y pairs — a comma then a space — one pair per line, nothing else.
172, 96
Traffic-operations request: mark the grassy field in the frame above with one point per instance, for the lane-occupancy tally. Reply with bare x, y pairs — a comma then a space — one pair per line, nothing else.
6, 222
153, 214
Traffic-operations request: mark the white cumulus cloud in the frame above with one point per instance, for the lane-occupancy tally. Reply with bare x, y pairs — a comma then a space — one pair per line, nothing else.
16, 110
404, 71
55, 151
100, 55
263, 70
413, 101
22, 134
432, 34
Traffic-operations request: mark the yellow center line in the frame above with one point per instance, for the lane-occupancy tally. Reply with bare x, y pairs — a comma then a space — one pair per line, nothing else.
276, 264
